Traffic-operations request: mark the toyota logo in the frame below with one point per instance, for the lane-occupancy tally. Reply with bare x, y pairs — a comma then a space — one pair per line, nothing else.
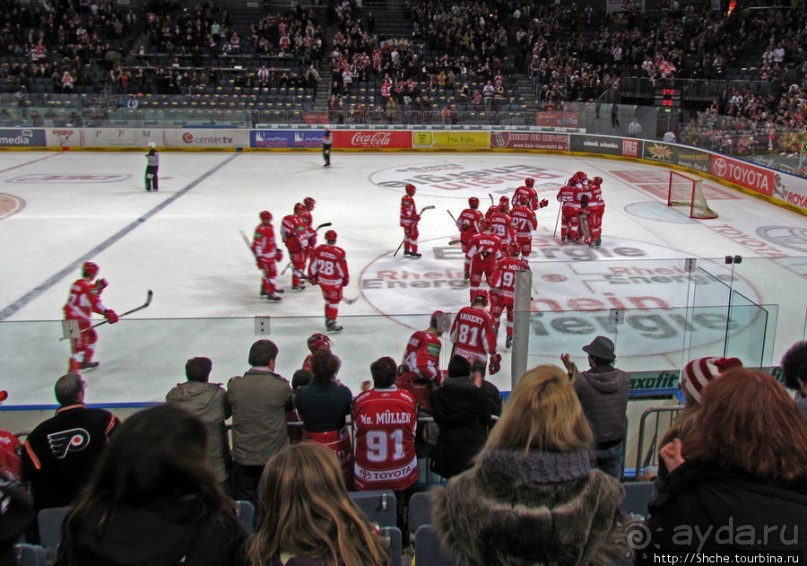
720, 167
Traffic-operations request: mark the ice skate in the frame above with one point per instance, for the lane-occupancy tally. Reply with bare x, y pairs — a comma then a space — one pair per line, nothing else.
274, 297
90, 365
332, 326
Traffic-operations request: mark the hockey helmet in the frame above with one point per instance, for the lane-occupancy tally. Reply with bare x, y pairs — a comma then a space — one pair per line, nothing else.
410, 190
529, 181
299, 208
319, 341
504, 203
581, 175
514, 249
152, 145
309, 203
330, 236
441, 321
473, 202
266, 216
90, 269
484, 224
597, 180
480, 296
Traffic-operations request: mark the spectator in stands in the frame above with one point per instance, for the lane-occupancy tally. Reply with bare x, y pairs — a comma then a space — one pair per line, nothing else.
743, 466
462, 413
307, 516
152, 499
794, 372
635, 128
16, 515
385, 419
323, 406
603, 392
491, 392
532, 496
60, 453
258, 401
208, 401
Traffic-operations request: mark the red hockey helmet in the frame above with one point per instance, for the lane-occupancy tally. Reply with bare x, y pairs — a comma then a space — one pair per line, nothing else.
319, 341
266, 216
440, 321
330, 236
90, 269
514, 249
410, 190
473, 202
299, 208
504, 203
581, 175
484, 224
480, 296
529, 181
309, 203
597, 180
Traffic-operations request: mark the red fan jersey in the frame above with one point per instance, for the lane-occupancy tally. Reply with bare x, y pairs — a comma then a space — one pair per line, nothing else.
329, 266
84, 299
473, 333
384, 422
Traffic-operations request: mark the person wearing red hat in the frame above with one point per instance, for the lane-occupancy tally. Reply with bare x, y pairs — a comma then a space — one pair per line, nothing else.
317, 341
85, 299
603, 391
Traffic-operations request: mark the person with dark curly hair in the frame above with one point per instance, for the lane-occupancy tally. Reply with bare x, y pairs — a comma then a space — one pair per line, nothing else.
794, 372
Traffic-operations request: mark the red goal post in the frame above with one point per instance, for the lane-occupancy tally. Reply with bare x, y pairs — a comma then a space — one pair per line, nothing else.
688, 192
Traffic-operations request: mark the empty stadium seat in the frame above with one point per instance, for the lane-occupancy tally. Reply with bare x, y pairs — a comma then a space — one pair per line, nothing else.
379, 506
428, 551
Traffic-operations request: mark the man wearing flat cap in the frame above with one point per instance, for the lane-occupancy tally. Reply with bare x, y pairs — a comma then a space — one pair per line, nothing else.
603, 393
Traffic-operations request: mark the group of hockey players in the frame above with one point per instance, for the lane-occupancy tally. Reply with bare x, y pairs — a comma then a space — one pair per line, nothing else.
324, 265
496, 245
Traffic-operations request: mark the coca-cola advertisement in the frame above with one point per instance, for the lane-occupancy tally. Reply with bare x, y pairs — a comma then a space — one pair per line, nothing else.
372, 139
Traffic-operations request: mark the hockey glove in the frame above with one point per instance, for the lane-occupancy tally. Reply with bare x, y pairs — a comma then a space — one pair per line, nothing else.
467, 275
313, 279
100, 285
495, 363
278, 254
543, 203
345, 281
111, 316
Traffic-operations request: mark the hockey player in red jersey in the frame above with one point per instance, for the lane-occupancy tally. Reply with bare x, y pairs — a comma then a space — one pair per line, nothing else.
328, 269
85, 299
480, 259
293, 230
384, 423
569, 210
503, 206
526, 195
316, 342
596, 209
504, 286
421, 360
409, 222
468, 222
474, 332
501, 223
525, 222
310, 234
267, 254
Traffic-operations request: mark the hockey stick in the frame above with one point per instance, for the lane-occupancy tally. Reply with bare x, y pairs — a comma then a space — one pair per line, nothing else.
149, 296
454, 242
323, 225
492, 202
555, 231
422, 210
452, 216
349, 300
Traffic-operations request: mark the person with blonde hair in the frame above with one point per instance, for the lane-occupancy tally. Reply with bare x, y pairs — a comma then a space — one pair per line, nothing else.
307, 517
532, 496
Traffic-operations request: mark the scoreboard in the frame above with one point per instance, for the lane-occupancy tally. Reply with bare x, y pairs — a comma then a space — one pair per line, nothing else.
668, 97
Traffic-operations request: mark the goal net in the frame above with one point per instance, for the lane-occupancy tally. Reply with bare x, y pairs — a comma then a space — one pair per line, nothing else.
688, 192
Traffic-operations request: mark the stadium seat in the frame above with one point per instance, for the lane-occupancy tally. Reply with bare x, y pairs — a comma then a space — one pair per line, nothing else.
31, 555
428, 551
378, 505
395, 544
49, 521
420, 510
637, 496
246, 514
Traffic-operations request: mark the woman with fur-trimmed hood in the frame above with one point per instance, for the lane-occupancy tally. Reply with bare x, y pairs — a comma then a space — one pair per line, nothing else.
532, 496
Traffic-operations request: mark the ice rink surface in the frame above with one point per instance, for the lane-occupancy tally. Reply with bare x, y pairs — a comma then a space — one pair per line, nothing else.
58, 210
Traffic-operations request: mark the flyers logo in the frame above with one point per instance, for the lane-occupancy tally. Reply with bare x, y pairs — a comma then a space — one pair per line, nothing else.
71, 440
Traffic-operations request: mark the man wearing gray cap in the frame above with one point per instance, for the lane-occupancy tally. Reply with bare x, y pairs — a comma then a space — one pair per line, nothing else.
603, 392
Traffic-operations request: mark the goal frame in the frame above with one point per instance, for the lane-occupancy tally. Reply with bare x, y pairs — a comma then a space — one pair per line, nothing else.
684, 191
